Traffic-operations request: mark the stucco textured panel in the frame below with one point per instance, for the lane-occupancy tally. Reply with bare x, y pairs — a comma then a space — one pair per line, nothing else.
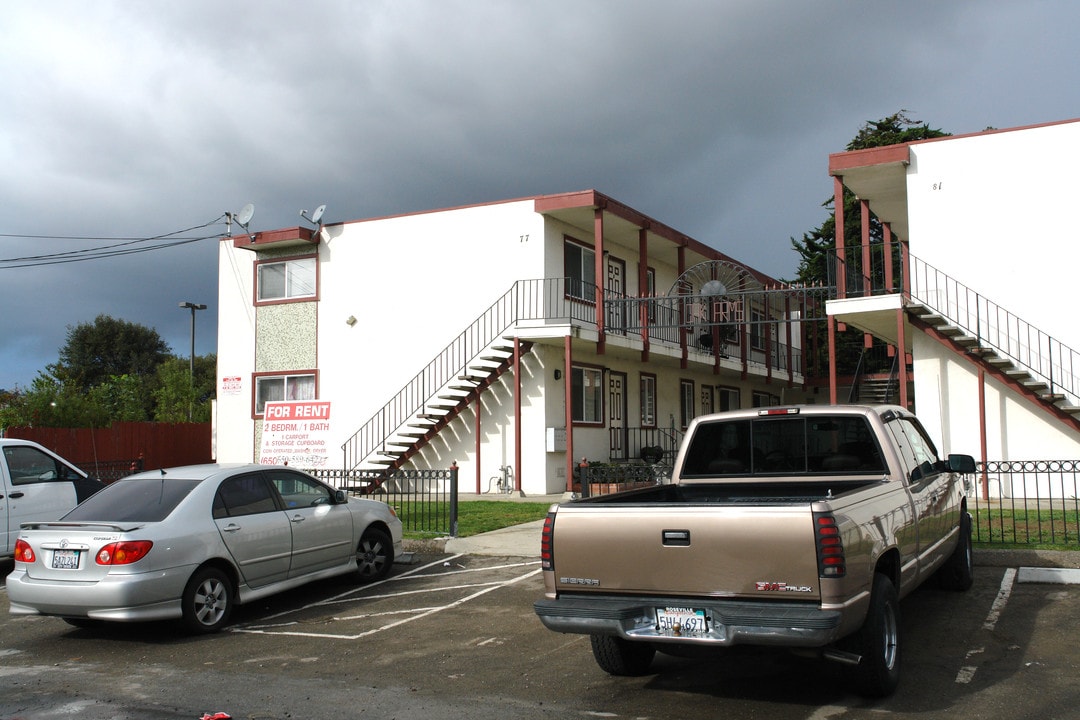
285, 337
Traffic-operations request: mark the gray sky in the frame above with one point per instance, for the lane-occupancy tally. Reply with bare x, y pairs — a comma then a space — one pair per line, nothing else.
138, 119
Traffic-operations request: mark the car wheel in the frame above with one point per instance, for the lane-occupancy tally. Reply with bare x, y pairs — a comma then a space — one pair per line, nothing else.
207, 601
616, 656
878, 642
958, 571
374, 555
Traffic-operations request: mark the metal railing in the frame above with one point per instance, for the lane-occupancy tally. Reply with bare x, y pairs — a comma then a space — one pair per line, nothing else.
560, 301
1043, 356
425, 500
1027, 502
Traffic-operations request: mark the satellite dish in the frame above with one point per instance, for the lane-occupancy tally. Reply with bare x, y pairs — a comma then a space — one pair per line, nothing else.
244, 216
317, 215
713, 287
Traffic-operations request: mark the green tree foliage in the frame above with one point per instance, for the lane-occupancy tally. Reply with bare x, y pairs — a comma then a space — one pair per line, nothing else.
176, 396
816, 248
113, 371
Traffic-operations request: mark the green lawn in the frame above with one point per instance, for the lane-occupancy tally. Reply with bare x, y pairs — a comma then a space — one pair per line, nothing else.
474, 516
1032, 529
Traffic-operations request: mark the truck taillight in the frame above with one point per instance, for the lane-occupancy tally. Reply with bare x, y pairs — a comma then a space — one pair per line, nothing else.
830, 547
547, 556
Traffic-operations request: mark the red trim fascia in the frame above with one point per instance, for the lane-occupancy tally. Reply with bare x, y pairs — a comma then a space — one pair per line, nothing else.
276, 238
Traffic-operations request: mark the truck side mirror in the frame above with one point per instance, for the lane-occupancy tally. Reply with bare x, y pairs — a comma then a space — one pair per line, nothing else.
964, 464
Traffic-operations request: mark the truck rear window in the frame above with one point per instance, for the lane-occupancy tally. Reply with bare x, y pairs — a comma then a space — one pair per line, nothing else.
811, 445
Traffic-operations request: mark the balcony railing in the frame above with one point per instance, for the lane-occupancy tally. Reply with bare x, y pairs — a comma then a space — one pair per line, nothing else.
1042, 355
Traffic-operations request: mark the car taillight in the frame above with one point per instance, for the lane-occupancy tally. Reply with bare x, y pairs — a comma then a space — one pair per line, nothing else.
547, 555
830, 547
123, 553
23, 552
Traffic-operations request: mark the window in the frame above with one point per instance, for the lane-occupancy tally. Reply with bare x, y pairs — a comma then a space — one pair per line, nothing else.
278, 388
728, 398
686, 401
579, 266
757, 329
243, 495
287, 279
587, 395
28, 465
297, 490
763, 399
648, 400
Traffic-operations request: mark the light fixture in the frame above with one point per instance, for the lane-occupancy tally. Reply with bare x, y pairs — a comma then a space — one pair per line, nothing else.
351, 320
558, 374
193, 307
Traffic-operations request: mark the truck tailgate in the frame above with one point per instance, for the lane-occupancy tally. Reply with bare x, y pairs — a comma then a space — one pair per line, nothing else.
731, 550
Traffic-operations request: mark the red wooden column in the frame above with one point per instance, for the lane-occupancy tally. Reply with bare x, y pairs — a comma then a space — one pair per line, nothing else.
601, 277
568, 416
643, 286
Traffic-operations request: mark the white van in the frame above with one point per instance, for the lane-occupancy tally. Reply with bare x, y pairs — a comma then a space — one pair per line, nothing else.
36, 484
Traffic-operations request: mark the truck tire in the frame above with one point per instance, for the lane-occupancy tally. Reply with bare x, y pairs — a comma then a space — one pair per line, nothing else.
878, 642
616, 656
958, 572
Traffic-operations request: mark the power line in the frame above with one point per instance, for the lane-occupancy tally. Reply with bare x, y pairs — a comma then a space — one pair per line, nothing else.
100, 252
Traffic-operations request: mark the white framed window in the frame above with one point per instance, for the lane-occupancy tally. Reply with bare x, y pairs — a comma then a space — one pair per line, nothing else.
686, 401
278, 388
648, 400
286, 279
587, 395
579, 266
728, 398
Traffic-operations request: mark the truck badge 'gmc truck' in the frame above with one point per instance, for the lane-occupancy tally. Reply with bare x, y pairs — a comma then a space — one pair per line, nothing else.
798, 527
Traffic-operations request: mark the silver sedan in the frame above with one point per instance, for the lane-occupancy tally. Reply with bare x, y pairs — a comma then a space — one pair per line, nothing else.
191, 542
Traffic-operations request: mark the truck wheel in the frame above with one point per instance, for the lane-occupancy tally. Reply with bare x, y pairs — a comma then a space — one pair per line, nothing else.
957, 573
621, 657
878, 642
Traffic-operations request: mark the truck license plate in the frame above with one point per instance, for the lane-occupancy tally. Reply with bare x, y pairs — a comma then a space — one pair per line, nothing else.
65, 560
681, 621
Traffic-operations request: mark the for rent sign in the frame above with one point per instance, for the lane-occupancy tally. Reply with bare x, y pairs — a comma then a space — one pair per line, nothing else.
296, 433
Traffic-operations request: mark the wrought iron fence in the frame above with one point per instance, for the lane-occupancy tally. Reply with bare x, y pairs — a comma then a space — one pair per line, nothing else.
604, 479
1027, 502
426, 501
109, 471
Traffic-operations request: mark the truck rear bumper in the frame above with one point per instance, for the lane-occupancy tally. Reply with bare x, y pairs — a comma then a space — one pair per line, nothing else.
730, 622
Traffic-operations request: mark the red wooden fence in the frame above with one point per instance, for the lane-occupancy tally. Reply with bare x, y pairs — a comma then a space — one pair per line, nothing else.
157, 444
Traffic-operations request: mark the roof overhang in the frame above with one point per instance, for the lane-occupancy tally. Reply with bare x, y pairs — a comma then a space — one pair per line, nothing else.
276, 239
879, 176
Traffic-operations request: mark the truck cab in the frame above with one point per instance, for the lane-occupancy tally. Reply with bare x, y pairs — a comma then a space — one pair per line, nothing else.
36, 484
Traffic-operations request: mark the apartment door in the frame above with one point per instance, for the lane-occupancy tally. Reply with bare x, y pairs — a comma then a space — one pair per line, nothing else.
617, 429
615, 317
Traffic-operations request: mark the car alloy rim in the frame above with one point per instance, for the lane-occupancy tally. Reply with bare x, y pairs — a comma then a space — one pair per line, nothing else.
210, 602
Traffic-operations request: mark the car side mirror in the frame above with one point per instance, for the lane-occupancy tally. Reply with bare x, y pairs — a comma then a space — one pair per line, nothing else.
340, 497
964, 464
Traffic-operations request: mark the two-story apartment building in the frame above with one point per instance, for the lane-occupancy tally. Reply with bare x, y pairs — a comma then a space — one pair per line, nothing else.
513, 339
973, 281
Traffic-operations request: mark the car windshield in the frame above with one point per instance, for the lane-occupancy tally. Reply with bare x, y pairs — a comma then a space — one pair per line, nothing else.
145, 500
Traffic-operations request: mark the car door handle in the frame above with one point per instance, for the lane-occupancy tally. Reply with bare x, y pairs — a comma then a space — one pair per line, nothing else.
230, 528
297, 518
16, 495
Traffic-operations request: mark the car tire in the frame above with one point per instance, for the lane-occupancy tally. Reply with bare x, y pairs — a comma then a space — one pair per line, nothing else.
207, 601
958, 572
878, 642
374, 555
616, 656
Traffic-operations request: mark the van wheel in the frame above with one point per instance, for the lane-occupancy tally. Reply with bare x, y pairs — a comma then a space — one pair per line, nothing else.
958, 571
878, 642
207, 601
616, 656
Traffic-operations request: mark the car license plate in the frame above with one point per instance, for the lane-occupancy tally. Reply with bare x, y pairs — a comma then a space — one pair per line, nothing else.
681, 621
65, 560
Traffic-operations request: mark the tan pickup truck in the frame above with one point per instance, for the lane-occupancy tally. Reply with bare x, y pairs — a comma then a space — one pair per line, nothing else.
798, 527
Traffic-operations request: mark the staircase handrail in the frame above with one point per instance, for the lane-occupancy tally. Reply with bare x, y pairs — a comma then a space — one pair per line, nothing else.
1039, 353
521, 302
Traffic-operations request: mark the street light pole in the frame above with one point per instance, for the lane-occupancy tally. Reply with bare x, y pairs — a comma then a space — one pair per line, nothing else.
191, 362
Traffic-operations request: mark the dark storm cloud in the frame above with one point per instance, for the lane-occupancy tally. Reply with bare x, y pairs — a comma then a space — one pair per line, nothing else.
133, 120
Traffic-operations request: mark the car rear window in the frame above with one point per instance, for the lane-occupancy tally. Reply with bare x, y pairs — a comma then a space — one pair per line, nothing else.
145, 500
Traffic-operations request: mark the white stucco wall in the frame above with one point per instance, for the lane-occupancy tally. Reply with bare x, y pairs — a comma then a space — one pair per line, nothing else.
993, 211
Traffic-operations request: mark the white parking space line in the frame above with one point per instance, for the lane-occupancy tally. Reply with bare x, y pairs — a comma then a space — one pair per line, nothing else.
967, 672
409, 614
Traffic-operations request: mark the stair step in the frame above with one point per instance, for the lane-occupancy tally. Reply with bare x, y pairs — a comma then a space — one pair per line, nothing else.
495, 358
401, 444
431, 416
443, 407
463, 388
473, 378
1052, 397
